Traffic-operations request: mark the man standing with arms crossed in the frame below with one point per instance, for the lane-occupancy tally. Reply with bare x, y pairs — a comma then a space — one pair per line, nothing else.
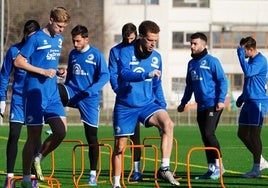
139, 81
42, 99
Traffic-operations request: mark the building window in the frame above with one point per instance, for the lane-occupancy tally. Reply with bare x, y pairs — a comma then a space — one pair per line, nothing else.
177, 40
182, 39
232, 39
135, 2
191, 3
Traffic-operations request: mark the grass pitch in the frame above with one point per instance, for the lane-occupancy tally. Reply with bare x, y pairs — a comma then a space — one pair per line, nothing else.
236, 158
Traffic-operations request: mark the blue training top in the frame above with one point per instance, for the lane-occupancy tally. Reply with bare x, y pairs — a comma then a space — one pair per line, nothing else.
87, 71
44, 52
206, 79
19, 75
255, 71
113, 65
135, 88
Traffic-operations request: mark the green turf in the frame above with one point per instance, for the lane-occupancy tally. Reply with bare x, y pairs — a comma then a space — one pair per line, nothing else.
236, 158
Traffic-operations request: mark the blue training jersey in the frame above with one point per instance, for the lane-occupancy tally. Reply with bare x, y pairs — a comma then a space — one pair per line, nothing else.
19, 75
113, 65
206, 79
135, 88
255, 72
44, 52
87, 71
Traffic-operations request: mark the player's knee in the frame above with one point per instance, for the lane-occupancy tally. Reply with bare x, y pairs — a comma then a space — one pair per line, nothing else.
60, 135
168, 127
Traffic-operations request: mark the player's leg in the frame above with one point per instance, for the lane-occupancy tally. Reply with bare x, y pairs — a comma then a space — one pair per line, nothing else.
63, 94
119, 143
249, 132
12, 148
33, 137
93, 151
12, 145
207, 124
124, 122
137, 176
161, 119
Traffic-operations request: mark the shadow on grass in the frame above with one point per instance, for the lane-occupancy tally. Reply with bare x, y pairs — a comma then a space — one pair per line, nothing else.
230, 181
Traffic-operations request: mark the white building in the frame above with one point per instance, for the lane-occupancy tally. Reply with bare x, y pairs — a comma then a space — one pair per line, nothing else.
224, 21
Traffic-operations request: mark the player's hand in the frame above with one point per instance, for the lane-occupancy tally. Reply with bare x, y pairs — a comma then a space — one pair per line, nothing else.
180, 108
50, 73
155, 73
220, 106
62, 72
2, 108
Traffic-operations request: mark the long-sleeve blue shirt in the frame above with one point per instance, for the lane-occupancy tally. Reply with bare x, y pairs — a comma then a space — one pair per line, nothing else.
87, 71
135, 88
113, 65
19, 75
207, 80
255, 72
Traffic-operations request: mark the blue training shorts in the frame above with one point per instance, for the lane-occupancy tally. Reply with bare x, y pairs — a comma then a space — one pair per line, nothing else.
125, 118
253, 112
16, 111
37, 112
88, 107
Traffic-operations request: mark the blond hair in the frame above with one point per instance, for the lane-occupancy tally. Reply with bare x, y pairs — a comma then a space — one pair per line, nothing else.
60, 14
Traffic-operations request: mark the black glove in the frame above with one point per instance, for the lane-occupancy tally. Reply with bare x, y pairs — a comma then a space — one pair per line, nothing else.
76, 98
239, 101
180, 108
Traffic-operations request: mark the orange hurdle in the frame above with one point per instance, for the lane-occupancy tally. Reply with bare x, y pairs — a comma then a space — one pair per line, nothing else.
53, 157
77, 179
123, 163
159, 138
51, 181
188, 163
132, 155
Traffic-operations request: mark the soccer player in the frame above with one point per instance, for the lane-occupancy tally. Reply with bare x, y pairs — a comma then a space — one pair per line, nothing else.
139, 80
42, 100
87, 73
255, 102
16, 118
206, 79
129, 36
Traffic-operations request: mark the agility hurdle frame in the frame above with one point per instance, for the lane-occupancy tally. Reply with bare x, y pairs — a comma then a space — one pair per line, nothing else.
76, 180
188, 163
50, 181
159, 138
123, 163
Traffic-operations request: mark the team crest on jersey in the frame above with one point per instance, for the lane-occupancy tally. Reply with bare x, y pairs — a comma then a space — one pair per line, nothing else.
60, 43
90, 59
134, 61
203, 65
45, 42
139, 69
155, 62
77, 70
133, 58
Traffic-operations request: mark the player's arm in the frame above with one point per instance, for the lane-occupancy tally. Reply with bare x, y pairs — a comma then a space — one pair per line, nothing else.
21, 62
